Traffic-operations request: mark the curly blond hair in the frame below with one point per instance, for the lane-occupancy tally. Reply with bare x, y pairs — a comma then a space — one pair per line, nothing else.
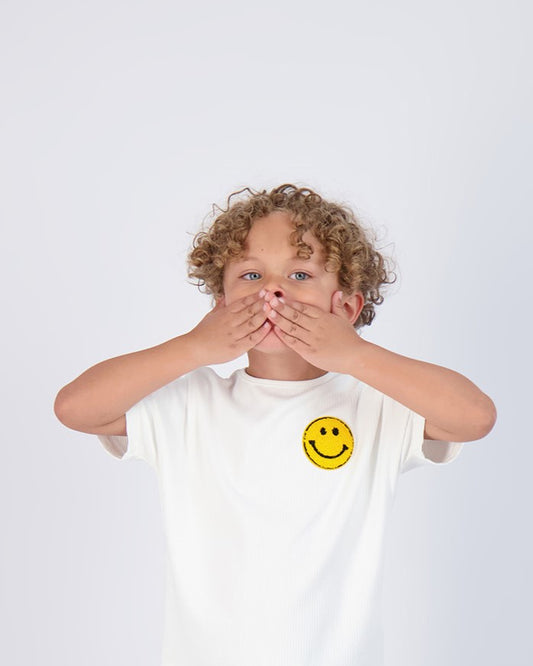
348, 246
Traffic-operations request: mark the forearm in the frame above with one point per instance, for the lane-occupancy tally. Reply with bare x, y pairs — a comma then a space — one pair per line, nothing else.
446, 399
108, 389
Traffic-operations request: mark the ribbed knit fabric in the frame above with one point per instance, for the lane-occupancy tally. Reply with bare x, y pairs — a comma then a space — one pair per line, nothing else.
275, 497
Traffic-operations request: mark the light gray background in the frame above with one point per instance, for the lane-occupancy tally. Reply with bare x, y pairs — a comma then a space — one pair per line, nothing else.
121, 124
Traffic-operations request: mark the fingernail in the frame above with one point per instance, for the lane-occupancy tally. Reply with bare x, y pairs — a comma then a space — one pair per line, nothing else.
262, 293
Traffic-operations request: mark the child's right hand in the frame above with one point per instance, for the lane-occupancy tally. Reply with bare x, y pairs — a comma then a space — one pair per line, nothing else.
228, 331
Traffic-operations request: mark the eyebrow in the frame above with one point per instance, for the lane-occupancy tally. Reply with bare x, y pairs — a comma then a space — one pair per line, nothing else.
243, 260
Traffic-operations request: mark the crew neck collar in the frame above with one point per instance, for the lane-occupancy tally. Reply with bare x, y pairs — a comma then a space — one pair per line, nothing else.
284, 383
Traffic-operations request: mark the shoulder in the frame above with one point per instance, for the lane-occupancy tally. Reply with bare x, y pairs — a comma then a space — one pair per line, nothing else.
198, 376
205, 379
179, 388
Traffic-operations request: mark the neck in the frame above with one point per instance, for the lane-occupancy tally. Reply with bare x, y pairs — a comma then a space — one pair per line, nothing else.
288, 366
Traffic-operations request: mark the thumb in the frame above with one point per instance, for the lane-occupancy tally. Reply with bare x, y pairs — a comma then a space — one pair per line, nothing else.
337, 301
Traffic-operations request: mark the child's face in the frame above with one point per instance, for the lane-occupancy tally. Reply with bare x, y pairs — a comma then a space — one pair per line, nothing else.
271, 263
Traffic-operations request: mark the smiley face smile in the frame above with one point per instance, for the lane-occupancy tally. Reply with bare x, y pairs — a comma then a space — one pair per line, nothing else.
322, 439
344, 448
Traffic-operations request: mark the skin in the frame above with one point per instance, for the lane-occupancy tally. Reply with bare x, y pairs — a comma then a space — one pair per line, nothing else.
310, 331
302, 337
277, 272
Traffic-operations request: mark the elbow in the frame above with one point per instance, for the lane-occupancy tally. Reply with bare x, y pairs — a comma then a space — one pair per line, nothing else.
478, 423
62, 408
59, 407
487, 418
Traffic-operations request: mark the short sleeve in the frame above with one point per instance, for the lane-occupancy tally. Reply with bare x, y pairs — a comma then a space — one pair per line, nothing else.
140, 441
151, 424
417, 451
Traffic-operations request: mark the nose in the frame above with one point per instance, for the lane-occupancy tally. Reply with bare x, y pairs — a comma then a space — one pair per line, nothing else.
274, 284
275, 289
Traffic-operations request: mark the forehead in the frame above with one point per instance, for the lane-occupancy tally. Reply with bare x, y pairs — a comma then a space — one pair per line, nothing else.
274, 232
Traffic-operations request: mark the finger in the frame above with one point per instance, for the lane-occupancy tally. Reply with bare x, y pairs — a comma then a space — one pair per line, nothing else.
244, 303
336, 302
290, 340
255, 337
302, 313
290, 328
294, 316
249, 318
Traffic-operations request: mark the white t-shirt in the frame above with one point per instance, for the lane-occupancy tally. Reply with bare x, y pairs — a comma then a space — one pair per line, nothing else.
275, 496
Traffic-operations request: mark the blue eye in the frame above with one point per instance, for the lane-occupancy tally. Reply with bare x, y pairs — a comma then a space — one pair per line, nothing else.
254, 275
301, 273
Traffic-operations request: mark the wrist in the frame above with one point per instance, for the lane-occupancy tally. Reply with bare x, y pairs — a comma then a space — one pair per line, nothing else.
191, 350
356, 358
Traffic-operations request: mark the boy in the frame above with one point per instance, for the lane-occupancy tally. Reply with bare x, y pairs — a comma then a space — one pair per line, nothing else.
276, 483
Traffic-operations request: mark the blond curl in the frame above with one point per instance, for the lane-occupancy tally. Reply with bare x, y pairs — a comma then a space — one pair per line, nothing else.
349, 247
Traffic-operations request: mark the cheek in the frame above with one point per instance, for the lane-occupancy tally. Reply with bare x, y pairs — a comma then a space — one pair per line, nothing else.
320, 300
234, 292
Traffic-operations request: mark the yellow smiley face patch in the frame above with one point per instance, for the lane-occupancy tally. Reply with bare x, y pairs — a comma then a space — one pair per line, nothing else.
328, 442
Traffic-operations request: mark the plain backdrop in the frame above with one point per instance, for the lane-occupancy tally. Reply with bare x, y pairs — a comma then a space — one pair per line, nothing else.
121, 124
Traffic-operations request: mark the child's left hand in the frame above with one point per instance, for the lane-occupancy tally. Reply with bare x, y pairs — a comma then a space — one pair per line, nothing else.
327, 340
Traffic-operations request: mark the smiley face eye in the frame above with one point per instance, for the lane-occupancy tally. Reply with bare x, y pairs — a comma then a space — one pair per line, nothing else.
328, 442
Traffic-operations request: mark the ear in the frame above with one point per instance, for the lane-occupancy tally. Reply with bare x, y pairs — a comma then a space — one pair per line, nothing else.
219, 301
348, 307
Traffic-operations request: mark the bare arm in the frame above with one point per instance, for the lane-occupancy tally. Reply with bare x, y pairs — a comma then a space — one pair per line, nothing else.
105, 392
455, 409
